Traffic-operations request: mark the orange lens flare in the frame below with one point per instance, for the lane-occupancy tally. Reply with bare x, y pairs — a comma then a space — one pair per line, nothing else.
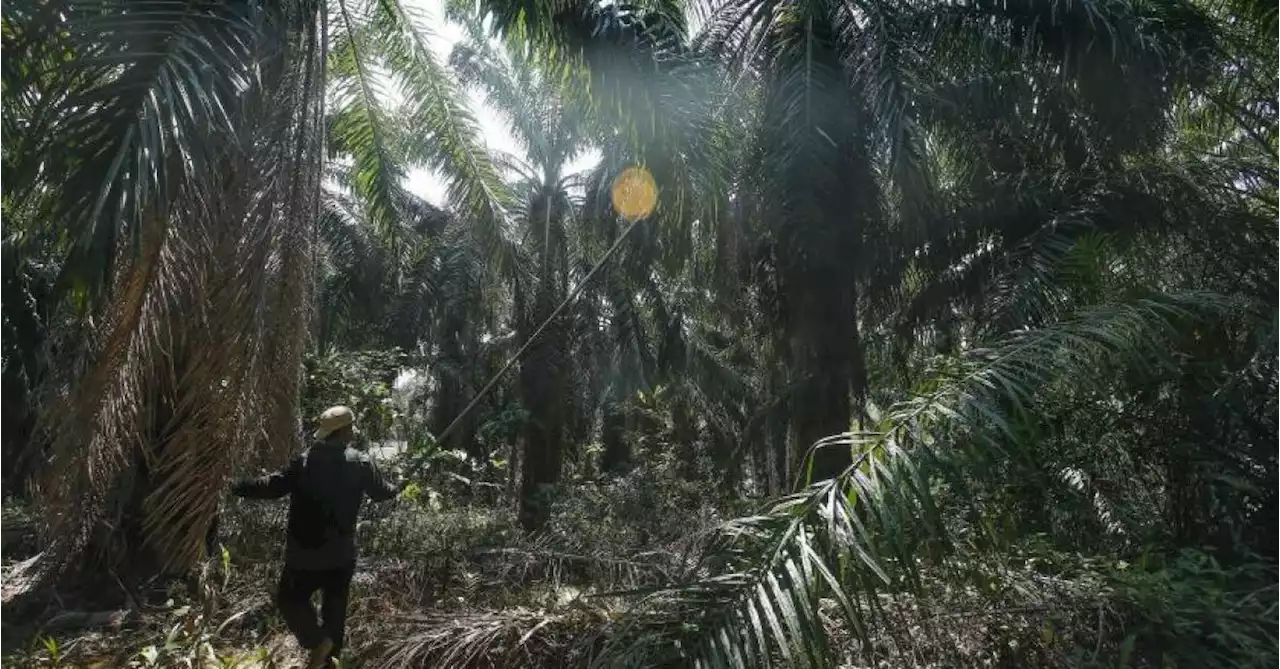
634, 193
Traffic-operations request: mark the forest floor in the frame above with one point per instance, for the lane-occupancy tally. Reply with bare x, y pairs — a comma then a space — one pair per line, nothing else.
462, 586
431, 581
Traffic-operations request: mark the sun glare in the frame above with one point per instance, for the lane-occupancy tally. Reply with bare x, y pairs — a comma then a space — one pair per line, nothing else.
634, 193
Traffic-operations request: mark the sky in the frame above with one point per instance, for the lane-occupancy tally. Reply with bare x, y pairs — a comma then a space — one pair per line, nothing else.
494, 129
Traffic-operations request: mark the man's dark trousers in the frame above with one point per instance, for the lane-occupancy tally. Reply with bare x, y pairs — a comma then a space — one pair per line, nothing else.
294, 600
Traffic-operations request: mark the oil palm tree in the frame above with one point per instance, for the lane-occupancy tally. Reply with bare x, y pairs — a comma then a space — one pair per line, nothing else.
842, 104
847, 142
1066, 251
545, 212
177, 189
143, 189
385, 290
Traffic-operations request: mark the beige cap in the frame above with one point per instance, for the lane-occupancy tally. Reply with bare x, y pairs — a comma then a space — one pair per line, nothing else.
334, 419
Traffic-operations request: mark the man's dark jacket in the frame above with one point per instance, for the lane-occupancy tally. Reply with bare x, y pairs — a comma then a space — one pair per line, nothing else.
326, 485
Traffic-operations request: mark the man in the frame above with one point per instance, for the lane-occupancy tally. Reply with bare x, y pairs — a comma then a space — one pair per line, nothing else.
326, 486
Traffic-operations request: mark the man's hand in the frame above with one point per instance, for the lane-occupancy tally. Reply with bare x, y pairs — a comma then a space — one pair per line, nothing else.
268, 486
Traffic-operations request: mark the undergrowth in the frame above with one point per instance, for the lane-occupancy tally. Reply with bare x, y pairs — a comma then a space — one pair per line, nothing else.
443, 585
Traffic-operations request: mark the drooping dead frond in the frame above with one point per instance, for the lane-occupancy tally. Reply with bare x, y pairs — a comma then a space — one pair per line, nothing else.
100, 413
197, 359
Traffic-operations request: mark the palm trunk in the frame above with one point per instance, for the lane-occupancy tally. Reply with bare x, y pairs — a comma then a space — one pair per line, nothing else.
543, 431
722, 454
773, 438
450, 398
779, 462
616, 457
830, 201
28, 357
544, 372
449, 401
542, 391
821, 342
685, 436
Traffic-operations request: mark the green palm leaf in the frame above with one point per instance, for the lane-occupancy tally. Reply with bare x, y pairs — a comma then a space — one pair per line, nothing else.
863, 532
476, 193
133, 115
362, 125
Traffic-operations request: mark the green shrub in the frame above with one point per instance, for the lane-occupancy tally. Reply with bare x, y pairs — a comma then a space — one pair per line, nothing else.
1196, 613
359, 379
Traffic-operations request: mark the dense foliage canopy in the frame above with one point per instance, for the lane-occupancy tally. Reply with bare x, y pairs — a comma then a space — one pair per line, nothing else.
980, 294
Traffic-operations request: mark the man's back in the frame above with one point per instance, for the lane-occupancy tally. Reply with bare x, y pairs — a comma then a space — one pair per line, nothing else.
326, 484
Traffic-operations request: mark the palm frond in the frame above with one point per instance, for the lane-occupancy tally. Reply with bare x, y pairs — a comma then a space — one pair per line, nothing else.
500, 639
154, 418
538, 120
758, 593
130, 109
433, 104
362, 126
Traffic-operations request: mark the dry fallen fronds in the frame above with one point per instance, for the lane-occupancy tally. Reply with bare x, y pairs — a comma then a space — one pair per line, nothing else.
490, 640
20, 579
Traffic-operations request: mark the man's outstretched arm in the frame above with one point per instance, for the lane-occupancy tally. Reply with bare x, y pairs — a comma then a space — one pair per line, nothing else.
378, 486
271, 486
